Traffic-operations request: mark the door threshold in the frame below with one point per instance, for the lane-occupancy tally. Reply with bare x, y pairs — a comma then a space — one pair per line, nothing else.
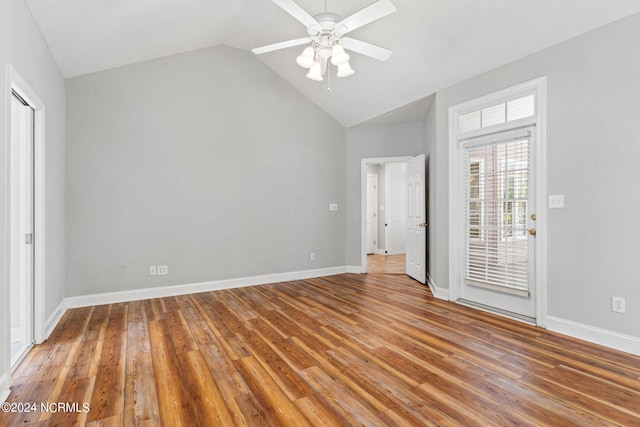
504, 313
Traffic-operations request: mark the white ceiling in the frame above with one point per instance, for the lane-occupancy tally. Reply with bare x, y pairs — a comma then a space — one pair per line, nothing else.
436, 43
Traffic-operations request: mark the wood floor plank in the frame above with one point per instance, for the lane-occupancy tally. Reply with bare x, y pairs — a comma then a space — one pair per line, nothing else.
277, 406
108, 391
170, 400
317, 410
337, 351
329, 389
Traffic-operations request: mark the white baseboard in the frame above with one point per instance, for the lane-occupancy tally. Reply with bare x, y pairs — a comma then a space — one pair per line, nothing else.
354, 269
440, 293
5, 391
168, 291
615, 340
55, 317
381, 252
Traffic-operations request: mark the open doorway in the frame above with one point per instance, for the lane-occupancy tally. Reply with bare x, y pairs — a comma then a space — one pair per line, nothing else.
388, 204
386, 218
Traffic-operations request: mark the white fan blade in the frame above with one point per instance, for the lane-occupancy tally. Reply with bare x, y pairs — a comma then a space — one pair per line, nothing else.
377, 52
369, 14
281, 45
297, 12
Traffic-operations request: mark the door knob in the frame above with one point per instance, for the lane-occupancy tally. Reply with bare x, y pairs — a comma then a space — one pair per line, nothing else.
532, 231
424, 224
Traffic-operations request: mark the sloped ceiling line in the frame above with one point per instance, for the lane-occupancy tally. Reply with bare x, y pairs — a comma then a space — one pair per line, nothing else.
435, 43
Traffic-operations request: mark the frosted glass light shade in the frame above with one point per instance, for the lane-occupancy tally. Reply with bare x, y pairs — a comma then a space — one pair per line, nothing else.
345, 70
315, 72
305, 60
338, 55
324, 52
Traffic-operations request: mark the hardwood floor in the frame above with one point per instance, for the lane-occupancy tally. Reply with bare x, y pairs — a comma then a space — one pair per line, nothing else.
386, 264
341, 350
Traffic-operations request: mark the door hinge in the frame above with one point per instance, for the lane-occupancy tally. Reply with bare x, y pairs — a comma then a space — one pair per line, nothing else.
28, 238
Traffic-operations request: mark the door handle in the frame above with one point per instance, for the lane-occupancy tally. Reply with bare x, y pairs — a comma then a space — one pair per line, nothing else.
532, 231
423, 225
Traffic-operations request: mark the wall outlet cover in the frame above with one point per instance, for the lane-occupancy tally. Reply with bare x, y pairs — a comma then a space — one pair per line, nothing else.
618, 305
556, 201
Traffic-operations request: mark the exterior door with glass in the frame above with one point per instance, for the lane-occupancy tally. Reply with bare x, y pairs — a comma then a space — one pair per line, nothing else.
499, 222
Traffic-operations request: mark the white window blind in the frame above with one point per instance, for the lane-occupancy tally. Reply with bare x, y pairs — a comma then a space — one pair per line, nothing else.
496, 211
503, 112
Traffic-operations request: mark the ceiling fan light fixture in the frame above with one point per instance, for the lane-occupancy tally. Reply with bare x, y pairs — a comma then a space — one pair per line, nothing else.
315, 72
324, 52
338, 55
345, 70
305, 60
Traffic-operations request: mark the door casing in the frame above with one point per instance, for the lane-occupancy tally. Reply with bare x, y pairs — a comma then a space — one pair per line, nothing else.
539, 87
15, 82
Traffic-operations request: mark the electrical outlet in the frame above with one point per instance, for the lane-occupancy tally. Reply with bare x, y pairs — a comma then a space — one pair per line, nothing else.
163, 270
333, 206
312, 256
618, 305
152, 270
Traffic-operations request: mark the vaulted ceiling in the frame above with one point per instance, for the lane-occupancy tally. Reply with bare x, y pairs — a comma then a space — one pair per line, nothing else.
436, 43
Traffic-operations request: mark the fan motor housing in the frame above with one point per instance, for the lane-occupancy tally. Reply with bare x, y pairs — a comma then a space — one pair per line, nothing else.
327, 23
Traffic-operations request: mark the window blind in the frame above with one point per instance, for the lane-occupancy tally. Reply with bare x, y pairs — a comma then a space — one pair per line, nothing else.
495, 217
496, 114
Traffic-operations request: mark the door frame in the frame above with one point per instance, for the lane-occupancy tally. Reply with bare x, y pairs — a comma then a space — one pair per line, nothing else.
363, 201
16, 83
539, 87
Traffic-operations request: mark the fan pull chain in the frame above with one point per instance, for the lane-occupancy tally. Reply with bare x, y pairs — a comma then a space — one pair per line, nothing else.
328, 76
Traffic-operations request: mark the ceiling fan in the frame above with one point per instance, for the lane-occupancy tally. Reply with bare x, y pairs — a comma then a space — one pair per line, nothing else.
326, 34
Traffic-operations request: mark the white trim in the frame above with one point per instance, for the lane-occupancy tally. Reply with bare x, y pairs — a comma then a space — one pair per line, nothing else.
381, 252
506, 136
15, 82
192, 288
615, 340
440, 293
354, 269
363, 201
5, 391
539, 87
55, 317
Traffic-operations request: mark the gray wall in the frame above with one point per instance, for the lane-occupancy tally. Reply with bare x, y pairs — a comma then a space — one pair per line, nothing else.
593, 152
206, 162
369, 142
22, 46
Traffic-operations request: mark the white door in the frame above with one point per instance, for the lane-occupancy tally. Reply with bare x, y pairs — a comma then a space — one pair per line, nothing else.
416, 219
21, 228
395, 208
499, 223
372, 213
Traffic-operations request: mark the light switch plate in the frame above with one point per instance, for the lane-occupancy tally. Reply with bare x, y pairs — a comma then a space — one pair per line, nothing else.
556, 201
